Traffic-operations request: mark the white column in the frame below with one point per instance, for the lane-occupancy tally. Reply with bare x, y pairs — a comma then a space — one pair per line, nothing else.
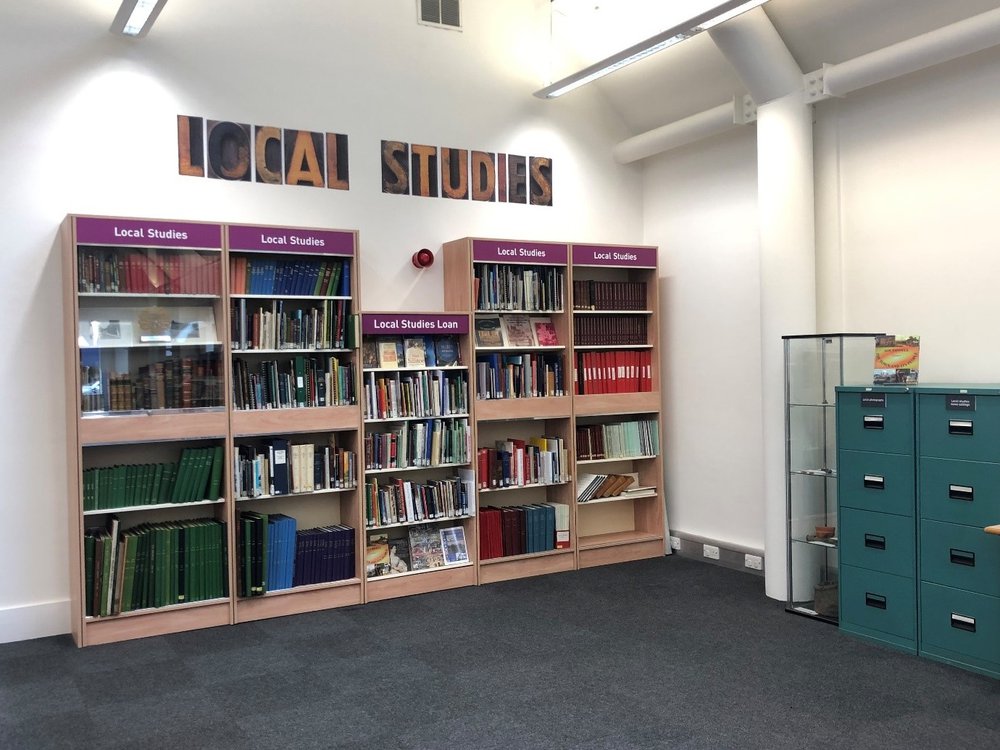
788, 290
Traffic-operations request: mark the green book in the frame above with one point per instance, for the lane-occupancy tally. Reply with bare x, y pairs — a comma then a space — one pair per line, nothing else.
119, 494
130, 540
182, 483
88, 570
204, 475
215, 475
167, 482
129, 486
334, 286
300, 380
107, 545
156, 478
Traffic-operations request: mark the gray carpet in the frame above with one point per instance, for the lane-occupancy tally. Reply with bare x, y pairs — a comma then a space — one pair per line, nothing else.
667, 653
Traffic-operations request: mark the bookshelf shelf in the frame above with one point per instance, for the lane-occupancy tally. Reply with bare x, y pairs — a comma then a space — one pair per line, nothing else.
143, 623
545, 407
496, 569
300, 599
583, 461
464, 415
423, 522
293, 495
598, 541
143, 295
556, 348
420, 581
157, 506
617, 498
446, 368
416, 468
290, 351
603, 347
249, 422
612, 312
519, 311
332, 297
588, 405
532, 486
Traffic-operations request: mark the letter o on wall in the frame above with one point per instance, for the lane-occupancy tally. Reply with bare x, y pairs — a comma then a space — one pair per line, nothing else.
229, 150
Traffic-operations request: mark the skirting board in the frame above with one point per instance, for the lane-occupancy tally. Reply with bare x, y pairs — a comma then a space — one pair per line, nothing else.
732, 556
38, 620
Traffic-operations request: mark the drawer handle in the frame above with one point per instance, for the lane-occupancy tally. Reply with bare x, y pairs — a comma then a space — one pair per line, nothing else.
961, 492
876, 600
874, 482
959, 426
961, 622
963, 557
873, 422
874, 541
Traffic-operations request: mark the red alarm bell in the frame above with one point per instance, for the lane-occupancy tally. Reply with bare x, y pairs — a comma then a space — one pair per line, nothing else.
423, 258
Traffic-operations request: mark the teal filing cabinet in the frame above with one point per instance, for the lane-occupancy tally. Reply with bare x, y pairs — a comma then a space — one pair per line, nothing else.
919, 481
876, 514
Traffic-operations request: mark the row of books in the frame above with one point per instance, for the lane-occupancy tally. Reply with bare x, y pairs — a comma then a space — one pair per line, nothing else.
513, 287
295, 382
515, 330
424, 393
275, 555
153, 565
398, 501
609, 295
178, 381
519, 375
615, 371
322, 326
517, 463
421, 547
392, 352
196, 476
290, 276
598, 486
117, 271
610, 330
523, 529
428, 443
637, 437
279, 467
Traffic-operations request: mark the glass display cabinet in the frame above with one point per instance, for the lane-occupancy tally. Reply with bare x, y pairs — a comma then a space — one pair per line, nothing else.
814, 365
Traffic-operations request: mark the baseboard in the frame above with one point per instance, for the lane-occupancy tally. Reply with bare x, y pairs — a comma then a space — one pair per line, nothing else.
730, 555
29, 621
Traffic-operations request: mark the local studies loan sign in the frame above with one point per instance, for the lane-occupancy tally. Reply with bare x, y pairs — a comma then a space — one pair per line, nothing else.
241, 152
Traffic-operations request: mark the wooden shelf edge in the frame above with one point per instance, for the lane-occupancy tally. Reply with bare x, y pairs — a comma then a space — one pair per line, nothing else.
499, 569
300, 599
598, 404
526, 556
150, 427
599, 541
618, 498
505, 409
420, 582
160, 621
250, 422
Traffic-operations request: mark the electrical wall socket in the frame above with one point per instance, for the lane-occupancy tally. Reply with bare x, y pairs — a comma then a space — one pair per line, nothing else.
754, 562
710, 550
675, 543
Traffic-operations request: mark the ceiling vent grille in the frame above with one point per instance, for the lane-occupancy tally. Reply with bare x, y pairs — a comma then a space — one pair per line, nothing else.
443, 13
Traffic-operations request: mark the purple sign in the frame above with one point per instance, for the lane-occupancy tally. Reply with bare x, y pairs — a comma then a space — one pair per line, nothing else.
285, 240
147, 233
505, 251
394, 324
614, 255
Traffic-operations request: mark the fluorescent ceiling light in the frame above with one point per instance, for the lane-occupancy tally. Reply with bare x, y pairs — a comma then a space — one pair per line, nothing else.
713, 17
136, 17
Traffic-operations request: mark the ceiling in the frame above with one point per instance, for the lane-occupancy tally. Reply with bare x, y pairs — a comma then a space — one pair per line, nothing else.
694, 76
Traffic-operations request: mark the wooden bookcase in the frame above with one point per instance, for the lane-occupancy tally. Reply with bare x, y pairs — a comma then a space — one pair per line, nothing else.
147, 427
295, 416
616, 357
417, 451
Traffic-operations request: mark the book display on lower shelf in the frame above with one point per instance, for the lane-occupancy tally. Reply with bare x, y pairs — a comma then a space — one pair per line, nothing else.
419, 488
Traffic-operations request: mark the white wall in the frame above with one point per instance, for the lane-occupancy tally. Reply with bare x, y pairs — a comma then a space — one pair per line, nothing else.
701, 209
89, 127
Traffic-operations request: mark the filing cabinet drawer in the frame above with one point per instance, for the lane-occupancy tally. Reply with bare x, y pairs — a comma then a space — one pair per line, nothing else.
878, 541
876, 481
960, 621
960, 491
961, 556
875, 421
878, 601
967, 434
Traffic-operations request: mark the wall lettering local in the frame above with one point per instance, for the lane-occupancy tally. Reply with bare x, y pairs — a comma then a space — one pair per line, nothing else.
257, 153
414, 169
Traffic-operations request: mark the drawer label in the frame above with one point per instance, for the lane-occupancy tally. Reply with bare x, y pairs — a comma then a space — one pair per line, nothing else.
963, 402
873, 400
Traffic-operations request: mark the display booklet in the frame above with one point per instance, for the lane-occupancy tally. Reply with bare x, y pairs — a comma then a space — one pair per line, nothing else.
897, 360
517, 329
453, 545
425, 548
447, 351
489, 331
415, 352
388, 354
399, 555
369, 354
545, 332
377, 555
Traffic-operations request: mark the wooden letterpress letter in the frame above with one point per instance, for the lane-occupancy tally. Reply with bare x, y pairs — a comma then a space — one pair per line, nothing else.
424, 170
455, 173
484, 176
502, 178
541, 180
517, 179
337, 175
303, 162
395, 167
229, 151
191, 146
267, 154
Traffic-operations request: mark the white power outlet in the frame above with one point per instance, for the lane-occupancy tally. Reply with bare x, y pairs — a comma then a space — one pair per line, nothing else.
754, 562
710, 550
675, 543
